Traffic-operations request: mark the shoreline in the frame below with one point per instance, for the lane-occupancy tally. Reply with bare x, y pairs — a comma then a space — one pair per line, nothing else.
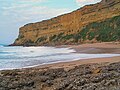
85, 74
99, 48
71, 64
95, 48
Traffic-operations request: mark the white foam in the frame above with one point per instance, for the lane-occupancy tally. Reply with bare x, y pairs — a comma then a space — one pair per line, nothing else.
19, 57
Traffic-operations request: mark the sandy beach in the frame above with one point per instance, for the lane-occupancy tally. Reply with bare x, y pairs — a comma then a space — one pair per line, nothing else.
96, 48
86, 74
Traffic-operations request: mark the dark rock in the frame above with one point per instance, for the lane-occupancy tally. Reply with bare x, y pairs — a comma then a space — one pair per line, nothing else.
44, 78
49, 82
78, 78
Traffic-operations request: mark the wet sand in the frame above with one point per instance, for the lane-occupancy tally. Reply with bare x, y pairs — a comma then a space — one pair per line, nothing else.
72, 64
96, 48
86, 74
92, 48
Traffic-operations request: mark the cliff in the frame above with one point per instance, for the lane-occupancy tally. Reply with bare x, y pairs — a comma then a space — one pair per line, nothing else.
91, 23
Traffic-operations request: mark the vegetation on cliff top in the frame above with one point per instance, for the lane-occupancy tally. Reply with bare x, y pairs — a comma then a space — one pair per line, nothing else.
105, 31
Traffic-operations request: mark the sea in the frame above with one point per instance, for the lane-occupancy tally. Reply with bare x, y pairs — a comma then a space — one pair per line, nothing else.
18, 57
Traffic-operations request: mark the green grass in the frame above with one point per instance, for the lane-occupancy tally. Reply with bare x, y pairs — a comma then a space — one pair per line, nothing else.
108, 30
41, 39
105, 31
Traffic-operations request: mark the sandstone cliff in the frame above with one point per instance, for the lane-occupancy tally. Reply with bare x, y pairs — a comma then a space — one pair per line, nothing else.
91, 23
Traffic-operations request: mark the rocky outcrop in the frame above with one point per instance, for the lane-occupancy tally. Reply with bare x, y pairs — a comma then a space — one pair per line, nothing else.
71, 28
104, 76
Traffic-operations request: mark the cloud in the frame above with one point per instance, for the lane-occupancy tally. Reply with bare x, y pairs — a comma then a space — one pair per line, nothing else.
31, 11
33, 0
23, 4
37, 13
86, 2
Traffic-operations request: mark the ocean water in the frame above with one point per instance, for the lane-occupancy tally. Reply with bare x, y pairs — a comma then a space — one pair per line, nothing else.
22, 57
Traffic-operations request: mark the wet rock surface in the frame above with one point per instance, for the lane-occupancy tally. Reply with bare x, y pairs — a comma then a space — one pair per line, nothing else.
103, 76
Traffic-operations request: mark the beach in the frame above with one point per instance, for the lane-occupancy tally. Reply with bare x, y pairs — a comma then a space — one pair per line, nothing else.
84, 74
60, 45
96, 48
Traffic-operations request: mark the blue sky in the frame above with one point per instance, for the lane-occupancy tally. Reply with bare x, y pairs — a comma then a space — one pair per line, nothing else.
16, 13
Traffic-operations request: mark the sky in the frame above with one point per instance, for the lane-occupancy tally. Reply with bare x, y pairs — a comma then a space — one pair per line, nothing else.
16, 13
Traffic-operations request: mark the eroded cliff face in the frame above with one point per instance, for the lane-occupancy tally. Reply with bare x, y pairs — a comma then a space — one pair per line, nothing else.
75, 27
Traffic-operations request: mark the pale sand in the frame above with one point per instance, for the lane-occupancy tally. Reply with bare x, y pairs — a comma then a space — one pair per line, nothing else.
107, 47
72, 64
96, 48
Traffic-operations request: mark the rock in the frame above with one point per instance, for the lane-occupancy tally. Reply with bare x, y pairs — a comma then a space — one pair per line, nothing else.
9, 73
80, 82
49, 82
111, 82
91, 87
59, 79
96, 71
44, 78
75, 27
